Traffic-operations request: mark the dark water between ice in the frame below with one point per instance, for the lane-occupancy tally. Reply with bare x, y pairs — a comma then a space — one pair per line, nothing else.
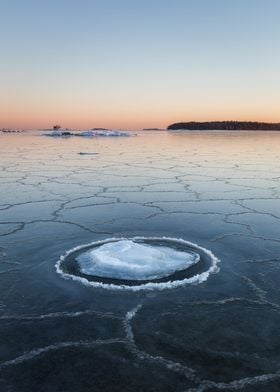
218, 190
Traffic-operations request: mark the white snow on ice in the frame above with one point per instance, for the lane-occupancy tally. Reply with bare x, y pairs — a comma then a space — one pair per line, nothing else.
129, 260
195, 279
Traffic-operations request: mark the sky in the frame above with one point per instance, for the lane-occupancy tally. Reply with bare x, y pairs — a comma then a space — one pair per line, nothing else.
136, 64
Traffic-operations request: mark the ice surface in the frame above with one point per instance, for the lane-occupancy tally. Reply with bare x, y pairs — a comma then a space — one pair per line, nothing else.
129, 260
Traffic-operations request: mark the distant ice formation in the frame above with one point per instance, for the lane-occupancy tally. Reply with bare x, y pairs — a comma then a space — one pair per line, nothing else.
5, 130
106, 132
85, 134
138, 263
129, 260
60, 133
90, 133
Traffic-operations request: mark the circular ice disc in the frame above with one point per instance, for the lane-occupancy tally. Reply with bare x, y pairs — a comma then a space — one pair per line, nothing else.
129, 260
139, 263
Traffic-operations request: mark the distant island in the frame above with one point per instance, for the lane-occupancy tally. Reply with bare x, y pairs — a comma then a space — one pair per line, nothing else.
225, 126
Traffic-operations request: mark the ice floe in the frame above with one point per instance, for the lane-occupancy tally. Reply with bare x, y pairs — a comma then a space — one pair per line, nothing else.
129, 260
139, 260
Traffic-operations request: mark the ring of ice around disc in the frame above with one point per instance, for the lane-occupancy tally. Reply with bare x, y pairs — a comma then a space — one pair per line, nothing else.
138, 263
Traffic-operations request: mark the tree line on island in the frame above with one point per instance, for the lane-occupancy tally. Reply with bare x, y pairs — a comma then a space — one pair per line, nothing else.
225, 125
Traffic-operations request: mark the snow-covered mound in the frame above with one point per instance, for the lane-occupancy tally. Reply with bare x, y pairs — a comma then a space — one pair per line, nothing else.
128, 260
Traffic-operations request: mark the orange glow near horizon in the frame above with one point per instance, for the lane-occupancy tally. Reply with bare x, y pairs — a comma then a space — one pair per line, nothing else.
130, 116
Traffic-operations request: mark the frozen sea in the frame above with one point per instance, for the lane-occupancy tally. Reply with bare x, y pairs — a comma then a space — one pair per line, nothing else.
219, 190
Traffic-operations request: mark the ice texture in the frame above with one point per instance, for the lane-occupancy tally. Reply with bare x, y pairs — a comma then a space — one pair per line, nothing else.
129, 260
90, 133
110, 133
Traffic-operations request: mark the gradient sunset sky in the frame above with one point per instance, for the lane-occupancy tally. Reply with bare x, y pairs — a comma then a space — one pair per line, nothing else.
134, 64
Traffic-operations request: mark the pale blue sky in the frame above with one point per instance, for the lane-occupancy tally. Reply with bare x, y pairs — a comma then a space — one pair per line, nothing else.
138, 63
